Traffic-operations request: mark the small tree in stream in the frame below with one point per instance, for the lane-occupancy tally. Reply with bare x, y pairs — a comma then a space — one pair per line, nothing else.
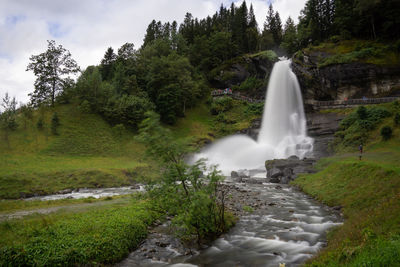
184, 191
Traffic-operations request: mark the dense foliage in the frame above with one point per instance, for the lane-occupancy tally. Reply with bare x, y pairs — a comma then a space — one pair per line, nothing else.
191, 192
52, 69
346, 19
355, 128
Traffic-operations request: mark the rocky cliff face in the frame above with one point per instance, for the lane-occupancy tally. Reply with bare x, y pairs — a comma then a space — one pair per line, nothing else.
340, 81
236, 71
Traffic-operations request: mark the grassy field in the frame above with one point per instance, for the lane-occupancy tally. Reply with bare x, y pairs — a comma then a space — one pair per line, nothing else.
87, 152
369, 192
102, 234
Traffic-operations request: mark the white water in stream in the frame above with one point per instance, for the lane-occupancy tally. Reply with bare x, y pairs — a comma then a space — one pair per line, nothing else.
283, 131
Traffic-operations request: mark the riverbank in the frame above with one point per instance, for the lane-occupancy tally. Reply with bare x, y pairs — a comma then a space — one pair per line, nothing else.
277, 224
368, 192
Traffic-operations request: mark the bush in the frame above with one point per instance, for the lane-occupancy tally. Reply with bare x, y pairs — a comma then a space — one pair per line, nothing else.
362, 113
354, 127
251, 83
386, 132
255, 109
200, 207
40, 123
85, 106
55, 122
127, 110
396, 119
221, 104
118, 130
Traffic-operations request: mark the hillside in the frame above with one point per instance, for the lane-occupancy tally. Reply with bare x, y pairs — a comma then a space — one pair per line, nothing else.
89, 152
366, 190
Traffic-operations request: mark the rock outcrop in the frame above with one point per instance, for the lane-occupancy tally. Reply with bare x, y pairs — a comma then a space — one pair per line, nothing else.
340, 81
234, 72
285, 170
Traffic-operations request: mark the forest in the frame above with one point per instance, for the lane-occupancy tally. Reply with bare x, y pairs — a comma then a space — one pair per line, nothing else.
171, 71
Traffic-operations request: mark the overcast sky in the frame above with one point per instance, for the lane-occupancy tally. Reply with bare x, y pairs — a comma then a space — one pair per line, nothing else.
88, 27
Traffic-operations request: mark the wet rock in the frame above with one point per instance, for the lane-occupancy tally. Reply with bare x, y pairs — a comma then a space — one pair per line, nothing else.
162, 244
275, 173
253, 180
135, 187
275, 180
285, 170
285, 180
65, 191
234, 174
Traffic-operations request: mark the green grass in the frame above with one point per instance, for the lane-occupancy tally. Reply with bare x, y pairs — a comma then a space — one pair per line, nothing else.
267, 54
86, 153
199, 126
102, 235
369, 192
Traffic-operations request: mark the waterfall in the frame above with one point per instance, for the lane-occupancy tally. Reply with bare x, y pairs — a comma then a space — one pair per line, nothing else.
283, 130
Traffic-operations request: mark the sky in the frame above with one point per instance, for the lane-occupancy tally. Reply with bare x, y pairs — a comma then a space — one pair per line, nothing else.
88, 27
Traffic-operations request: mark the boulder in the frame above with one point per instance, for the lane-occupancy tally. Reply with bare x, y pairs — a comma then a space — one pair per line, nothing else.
275, 180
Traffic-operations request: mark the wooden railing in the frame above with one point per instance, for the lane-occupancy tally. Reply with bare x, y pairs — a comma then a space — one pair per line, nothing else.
350, 102
238, 96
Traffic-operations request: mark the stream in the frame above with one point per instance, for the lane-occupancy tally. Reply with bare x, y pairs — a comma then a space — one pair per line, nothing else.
287, 226
90, 192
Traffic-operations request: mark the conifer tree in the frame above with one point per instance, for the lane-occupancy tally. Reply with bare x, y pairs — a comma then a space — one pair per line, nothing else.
107, 64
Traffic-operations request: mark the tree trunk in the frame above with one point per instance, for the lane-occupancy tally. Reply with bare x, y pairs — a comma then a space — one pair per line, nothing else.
53, 95
373, 27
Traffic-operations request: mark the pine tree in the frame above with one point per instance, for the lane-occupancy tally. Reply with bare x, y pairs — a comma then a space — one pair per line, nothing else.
107, 64
277, 30
289, 39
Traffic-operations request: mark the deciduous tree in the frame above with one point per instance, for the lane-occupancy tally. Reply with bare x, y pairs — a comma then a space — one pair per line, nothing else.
52, 69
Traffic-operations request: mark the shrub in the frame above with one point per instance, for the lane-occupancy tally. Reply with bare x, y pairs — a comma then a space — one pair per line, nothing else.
55, 122
386, 132
127, 110
40, 123
221, 104
118, 130
396, 119
255, 109
362, 113
85, 106
251, 83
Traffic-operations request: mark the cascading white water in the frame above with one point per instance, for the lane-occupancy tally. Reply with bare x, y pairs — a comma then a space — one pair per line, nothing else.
283, 130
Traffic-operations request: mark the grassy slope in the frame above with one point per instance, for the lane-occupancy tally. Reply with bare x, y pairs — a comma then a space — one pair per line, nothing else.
369, 191
86, 153
358, 51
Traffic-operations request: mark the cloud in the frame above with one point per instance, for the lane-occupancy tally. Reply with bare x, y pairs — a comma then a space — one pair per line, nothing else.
87, 28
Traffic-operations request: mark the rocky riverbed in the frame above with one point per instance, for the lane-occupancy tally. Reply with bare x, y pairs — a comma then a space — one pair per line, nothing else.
277, 223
